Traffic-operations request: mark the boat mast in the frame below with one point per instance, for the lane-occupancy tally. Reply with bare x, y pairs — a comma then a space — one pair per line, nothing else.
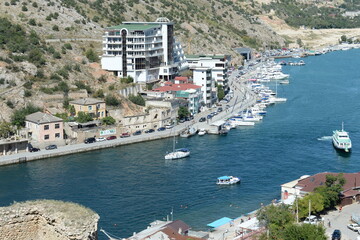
342, 126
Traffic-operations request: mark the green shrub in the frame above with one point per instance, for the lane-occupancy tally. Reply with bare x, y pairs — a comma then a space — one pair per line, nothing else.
91, 55
68, 46
55, 28
111, 100
10, 104
18, 117
108, 120
27, 93
138, 100
32, 22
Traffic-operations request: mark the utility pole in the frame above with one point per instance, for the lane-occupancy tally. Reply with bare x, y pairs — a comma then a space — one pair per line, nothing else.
297, 209
309, 208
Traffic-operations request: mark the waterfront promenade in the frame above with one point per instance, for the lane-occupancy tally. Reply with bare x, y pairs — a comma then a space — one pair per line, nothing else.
243, 98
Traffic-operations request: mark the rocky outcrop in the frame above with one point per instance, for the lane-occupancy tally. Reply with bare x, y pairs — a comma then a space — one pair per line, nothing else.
48, 220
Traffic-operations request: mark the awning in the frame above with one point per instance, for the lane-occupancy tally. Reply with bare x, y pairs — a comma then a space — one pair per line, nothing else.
219, 222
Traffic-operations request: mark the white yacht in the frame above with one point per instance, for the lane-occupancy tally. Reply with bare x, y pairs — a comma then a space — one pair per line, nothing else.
177, 154
341, 140
227, 180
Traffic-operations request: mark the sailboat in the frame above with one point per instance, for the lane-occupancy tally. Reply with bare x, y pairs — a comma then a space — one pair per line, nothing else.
177, 153
276, 99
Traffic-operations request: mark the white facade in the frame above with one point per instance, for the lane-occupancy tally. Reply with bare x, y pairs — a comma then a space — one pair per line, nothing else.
202, 77
217, 63
146, 51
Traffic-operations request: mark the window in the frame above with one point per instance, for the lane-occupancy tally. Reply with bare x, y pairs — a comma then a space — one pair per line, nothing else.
46, 127
46, 137
57, 125
90, 108
57, 135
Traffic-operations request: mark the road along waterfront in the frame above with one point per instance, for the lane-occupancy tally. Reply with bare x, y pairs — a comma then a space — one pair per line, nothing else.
132, 185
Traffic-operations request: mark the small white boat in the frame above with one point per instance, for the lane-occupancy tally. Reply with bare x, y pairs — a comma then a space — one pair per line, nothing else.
341, 140
202, 132
227, 180
284, 82
191, 131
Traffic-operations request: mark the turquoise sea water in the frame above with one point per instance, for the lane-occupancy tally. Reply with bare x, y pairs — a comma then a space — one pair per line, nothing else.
131, 186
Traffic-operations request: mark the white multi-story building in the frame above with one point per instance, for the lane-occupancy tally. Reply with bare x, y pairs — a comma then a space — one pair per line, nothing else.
146, 51
217, 63
202, 77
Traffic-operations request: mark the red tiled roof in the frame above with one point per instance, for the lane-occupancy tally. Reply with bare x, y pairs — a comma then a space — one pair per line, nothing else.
312, 182
183, 79
175, 235
176, 87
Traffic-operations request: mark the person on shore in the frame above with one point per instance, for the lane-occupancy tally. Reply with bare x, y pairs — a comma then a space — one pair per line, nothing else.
329, 223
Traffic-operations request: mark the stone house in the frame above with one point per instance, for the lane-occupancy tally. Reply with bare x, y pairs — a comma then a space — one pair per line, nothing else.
95, 107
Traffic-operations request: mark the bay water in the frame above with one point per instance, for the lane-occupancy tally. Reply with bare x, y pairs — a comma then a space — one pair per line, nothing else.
131, 186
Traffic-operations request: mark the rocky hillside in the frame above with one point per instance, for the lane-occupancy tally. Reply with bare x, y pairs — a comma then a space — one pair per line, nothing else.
49, 48
48, 220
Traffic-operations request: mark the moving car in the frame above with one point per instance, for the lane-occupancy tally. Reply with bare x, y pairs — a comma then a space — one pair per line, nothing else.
90, 140
149, 131
50, 147
336, 235
124, 135
111, 138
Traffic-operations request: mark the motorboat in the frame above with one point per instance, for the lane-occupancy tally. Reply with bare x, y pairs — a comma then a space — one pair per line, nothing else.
202, 132
191, 131
341, 140
177, 154
284, 82
227, 180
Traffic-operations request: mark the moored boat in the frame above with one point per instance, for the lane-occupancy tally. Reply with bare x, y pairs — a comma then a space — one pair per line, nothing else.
227, 180
177, 154
202, 132
341, 140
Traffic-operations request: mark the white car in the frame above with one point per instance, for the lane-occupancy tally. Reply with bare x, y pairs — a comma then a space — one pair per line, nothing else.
313, 219
100, 139
353, 226
168, 126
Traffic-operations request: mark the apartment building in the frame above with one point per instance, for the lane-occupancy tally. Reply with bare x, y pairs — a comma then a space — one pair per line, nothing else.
202, 77
217, 63
146, 51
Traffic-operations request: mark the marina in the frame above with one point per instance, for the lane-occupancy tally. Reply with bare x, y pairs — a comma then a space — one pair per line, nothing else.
282, 146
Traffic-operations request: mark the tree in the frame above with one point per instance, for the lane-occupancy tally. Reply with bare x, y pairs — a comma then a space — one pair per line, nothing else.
304, 231
343, 38
108, 120
183, 112
331, 190
5, 129
220, 92
83, 117
316, 203
18, 117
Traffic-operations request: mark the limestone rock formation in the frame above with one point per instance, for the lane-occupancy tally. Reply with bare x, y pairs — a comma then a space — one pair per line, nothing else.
48, 220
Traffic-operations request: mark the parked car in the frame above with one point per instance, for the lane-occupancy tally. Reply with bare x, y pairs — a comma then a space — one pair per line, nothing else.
168, 126
353, 226
313, 219
209, 116
100, 139
124, 135
336, 235
220, 109
149, 130
138, 132
34, 149
161, 129
202, 119
50, 147
111, 137
90, 140
182, 120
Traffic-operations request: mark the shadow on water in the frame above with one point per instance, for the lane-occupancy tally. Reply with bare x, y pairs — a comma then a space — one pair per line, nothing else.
342, 154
